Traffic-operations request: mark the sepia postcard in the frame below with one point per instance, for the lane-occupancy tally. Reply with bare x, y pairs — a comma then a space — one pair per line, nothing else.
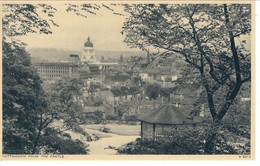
127, 80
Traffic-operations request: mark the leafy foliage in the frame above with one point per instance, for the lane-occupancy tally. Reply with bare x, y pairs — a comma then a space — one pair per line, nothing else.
202, 35
23, 104
22, 19
84, 9
64, 96
54, 143
206, 36
135, 62
27, 109
152, 91
186, 142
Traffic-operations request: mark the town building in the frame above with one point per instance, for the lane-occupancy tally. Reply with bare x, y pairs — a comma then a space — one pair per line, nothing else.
57, 70
165, 80
88, 57
125, 93
84, 66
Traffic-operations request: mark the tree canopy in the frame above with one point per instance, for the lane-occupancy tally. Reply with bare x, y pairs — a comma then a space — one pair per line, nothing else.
27, 107
203, 35
209, 37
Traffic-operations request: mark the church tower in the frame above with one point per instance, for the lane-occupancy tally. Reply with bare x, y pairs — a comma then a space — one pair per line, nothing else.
121, 59
148, 58
88, 53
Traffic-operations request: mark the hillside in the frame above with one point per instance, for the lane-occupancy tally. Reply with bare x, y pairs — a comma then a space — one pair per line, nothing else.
52, 54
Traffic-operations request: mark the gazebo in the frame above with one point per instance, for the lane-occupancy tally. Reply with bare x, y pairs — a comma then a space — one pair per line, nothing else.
165, 121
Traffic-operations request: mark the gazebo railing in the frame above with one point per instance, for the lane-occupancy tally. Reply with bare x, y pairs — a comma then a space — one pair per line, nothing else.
159, 136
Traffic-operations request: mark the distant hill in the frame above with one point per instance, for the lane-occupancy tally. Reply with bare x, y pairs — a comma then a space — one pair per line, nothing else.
52, 54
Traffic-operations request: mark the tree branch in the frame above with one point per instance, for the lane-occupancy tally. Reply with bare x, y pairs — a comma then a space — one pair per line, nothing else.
233, 92
202, 55
246, 80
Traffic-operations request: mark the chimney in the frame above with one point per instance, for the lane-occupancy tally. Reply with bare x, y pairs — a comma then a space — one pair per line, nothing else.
74, 59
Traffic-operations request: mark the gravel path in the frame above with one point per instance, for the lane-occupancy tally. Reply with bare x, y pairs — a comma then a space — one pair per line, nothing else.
118, 136
100, 147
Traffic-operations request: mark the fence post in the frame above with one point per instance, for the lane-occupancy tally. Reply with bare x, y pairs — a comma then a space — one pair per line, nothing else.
142, 131
153, 131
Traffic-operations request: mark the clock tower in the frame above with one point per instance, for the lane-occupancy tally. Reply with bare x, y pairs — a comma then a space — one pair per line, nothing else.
88, 53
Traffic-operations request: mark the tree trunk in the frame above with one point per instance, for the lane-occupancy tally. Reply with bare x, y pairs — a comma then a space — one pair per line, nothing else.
210, 140
36, 141
38, 136
209, 146
233, 92
211, 105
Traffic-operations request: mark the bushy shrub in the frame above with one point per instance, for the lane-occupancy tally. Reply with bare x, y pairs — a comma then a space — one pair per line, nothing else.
53, 143
243, 131
189, 142
178, 145
96, 117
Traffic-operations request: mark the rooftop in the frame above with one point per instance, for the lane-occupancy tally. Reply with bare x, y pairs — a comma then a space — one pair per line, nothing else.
73, 55
68, 64
88, 43
168, 114
125, 91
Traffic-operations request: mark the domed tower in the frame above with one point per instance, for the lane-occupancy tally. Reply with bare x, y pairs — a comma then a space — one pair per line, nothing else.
88, 54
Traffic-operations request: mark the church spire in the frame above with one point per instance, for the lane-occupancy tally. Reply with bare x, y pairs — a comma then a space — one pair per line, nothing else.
148, 59
121, 59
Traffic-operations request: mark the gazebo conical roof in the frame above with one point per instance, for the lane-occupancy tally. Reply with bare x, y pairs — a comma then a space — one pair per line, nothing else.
168, 114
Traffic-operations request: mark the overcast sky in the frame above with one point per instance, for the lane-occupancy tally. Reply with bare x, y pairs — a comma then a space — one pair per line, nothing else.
103, 29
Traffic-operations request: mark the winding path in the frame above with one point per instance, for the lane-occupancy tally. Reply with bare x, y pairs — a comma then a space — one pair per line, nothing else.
100, 147
119, 135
